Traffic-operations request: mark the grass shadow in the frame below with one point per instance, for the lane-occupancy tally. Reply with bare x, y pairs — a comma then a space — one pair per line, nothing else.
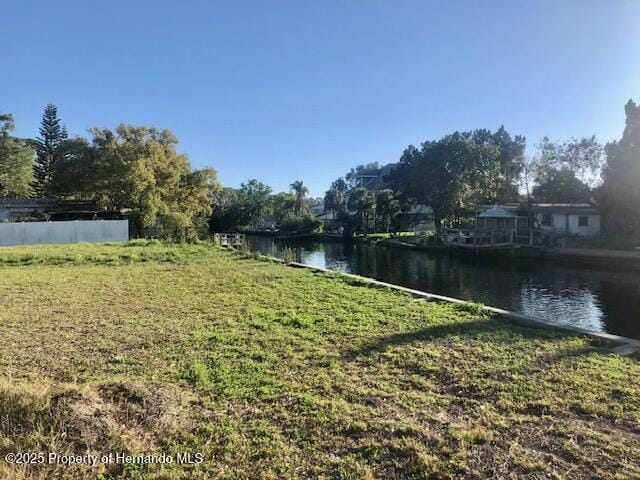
478, 329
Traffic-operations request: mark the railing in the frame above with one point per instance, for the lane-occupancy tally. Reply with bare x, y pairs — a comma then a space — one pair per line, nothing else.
472, 238
229, 239
477, 237
532, 238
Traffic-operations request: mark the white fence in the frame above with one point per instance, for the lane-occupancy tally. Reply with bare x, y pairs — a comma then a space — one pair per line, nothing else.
32, 233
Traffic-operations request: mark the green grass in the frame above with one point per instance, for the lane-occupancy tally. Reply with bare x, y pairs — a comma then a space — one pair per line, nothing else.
276, 372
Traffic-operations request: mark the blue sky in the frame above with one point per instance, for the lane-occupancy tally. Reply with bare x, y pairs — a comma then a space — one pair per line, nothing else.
286, 90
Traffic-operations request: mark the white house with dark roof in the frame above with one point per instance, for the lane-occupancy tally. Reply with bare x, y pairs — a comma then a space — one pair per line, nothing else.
559, 219
579, 219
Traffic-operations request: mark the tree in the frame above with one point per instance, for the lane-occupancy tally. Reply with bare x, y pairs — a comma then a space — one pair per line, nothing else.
255, 201
139, 168
510, 157
387, 207
450, 175
334, 198
581, 157
548, 153
459, 171
234, 208
331, 201
48, 150
226, 210
6, 124
283, 205
191, 205
16, 161
299, 190
560, 185
75, 175
620, 194
304, 224
362, 202
528, 175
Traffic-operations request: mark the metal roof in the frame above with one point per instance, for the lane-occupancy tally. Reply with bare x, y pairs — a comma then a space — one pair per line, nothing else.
48, 204
19, 202
497, 212
544, 207
563, 205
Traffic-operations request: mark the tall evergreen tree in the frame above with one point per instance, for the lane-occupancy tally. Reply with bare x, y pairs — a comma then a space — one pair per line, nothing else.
620, 193
49, 149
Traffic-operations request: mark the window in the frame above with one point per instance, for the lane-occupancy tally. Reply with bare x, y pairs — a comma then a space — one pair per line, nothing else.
547, 220
583, 221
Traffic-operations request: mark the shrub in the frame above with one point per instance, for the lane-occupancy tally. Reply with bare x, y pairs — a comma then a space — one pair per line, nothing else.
306, 224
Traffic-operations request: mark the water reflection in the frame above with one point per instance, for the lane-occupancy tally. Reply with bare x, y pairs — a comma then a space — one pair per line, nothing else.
593, 299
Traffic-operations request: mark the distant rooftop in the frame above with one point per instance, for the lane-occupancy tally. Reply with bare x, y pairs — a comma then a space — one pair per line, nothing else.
373, 180
498, 211
559, 207
50, 204
563, 205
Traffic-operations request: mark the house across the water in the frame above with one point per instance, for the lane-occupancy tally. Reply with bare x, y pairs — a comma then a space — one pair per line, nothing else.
580, 219
558, 219
266, 222
375, 181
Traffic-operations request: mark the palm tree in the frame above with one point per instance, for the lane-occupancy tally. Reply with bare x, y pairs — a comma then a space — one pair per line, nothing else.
387, 207
363, 203
300, 190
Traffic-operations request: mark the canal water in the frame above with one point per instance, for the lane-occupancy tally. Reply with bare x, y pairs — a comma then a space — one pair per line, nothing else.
601, 300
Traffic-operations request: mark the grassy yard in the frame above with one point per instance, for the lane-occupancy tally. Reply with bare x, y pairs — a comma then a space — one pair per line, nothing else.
276, 372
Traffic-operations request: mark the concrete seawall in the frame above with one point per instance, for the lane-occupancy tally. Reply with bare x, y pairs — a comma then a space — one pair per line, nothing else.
620, 345
587, 257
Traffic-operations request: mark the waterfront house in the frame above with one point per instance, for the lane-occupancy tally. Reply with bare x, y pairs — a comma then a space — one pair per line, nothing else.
375, 181
327, 216
266, 222
557, 219
317, 209
570, 219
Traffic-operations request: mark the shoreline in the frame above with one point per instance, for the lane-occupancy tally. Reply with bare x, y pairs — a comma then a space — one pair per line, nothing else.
625, 346
579, 257
230, 355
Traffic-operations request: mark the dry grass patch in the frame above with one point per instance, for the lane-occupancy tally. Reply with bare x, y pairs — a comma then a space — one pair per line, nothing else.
84, 420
